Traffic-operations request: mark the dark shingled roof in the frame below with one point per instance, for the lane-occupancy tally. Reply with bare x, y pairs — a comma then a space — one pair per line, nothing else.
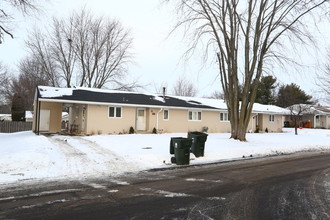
127, 98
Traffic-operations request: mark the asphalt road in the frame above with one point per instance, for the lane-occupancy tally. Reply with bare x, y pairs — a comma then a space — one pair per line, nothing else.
282, 187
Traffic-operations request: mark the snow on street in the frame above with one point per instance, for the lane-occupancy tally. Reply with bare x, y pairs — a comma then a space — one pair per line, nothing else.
25, 156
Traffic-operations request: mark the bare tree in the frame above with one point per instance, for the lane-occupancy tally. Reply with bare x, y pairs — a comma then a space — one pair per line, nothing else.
5, 17
246, 37
323, 79
3, 74
62, 49
40, 48
103, 49
216, 95
31, 74
159, 88
4, 79
296, 113
90, 51
183, 87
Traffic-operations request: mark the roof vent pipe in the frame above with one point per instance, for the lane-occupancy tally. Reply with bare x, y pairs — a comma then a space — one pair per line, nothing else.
164, 92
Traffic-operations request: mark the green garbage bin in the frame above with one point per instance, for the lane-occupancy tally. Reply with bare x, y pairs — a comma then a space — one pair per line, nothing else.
198, 142
180, 147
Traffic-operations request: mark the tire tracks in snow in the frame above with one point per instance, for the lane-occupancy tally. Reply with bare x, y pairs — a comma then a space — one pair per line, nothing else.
86, 158
319, 193
109, 158
75, 159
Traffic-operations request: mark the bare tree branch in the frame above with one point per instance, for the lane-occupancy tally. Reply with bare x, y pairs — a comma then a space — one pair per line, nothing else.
247, 37
183, 87
25, 6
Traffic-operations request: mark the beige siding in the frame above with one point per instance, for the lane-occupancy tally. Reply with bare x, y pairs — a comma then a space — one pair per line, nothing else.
55, 115
272, 126
179, 122
98, 121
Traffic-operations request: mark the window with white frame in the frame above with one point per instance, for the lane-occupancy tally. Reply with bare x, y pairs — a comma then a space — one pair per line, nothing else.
114, 112
166, 115
195, 115
224, 116
271, 118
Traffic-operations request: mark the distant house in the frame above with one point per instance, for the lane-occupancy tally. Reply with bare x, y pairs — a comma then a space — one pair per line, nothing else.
29, 116
99, 111
311, 116
5, 117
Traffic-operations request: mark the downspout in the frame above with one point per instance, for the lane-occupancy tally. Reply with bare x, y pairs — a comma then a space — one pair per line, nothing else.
252, 127
315, 121
158, 118
35, 118
257, 123
37, 113
38, 129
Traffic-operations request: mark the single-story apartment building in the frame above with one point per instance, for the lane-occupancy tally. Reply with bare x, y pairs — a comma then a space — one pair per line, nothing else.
310, 116
100, 111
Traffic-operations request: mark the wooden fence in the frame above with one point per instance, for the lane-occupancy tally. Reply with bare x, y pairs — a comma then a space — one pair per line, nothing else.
14, 126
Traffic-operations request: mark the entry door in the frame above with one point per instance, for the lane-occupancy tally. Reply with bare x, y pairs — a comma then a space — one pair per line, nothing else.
141, 119
83, 119
44, 120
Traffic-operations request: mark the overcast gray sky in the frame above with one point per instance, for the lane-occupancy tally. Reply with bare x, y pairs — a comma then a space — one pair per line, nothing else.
157, 57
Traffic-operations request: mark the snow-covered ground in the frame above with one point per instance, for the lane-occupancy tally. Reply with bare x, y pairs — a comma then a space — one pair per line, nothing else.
25, 156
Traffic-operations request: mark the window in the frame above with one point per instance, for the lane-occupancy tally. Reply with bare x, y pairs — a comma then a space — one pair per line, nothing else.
166, 114
114, 112
271, 118
195, 115
223, 116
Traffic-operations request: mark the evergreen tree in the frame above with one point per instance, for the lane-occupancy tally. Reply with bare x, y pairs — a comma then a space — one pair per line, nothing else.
265, 91
18, 108
292, 94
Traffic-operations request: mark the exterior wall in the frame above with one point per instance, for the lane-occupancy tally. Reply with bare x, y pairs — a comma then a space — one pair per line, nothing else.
76, 122
272, 126
55, 115
252, 127
179, 122
322, 122
98, 121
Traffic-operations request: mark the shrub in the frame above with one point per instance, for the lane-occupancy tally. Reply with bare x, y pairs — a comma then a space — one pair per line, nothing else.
131, 130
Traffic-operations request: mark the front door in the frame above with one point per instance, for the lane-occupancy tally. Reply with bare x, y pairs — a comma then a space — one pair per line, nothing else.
44, 120
141, 119
83, 119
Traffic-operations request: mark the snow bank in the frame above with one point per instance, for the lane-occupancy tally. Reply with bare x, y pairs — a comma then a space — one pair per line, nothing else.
26, 156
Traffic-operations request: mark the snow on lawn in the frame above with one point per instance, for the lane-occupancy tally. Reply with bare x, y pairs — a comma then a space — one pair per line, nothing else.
26, 156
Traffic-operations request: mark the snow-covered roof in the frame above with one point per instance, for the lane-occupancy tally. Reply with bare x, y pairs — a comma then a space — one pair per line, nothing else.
51, 92
6, 117
134, 98
309, 109
28, 114
269, 109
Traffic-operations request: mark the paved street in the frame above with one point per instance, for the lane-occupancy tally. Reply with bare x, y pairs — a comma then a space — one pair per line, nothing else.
282, 187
